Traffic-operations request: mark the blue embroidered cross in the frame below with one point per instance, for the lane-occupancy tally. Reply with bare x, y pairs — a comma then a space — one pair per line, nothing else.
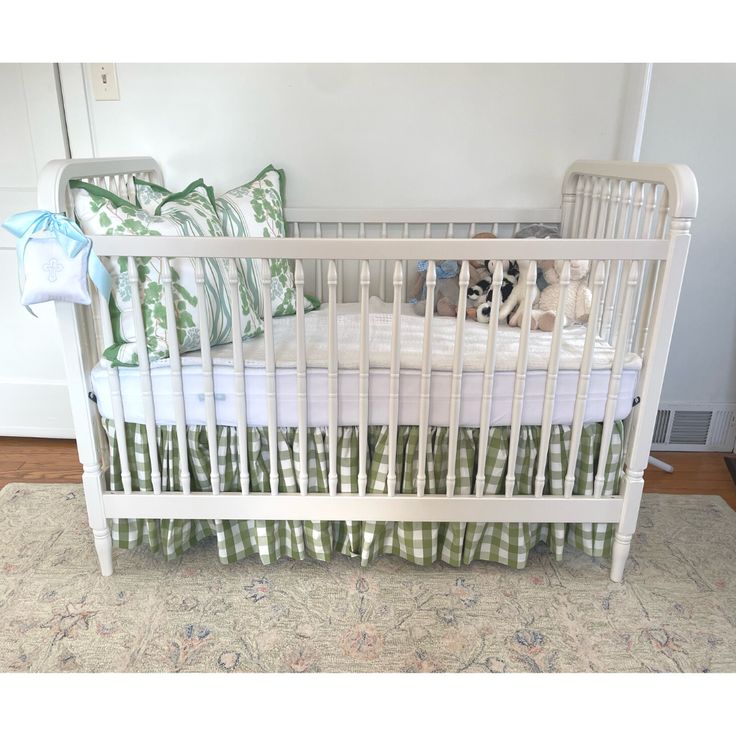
52, 267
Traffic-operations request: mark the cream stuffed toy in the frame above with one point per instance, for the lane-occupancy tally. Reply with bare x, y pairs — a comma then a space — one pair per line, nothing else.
577, 300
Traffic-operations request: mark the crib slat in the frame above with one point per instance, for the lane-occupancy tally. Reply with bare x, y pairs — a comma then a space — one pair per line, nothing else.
457, 377
177, 387
577, 208
318, 273
270, 377
332, 377
426, 381
614, 273
118, 411
550, 387
301, 377
520, 380
581, 397
489, 370
614, 382
586, 209
393, 391
363, 360
382, 265
340, 271
612, 201
207, 374
239, 376
634, 202
648, 276
144, 371
471, 232
664, 208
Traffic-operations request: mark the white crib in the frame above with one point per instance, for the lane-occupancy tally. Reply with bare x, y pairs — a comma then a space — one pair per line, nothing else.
632, 220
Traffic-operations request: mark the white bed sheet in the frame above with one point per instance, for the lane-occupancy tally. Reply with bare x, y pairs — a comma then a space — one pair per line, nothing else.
412, 328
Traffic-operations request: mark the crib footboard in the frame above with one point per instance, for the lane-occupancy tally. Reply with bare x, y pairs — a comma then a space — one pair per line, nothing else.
631, 221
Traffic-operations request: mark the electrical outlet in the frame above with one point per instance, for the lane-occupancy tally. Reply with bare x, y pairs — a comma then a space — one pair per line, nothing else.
104, 81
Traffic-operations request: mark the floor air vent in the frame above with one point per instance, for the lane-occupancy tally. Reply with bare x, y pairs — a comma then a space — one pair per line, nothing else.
690, 428
661, 426
686, 427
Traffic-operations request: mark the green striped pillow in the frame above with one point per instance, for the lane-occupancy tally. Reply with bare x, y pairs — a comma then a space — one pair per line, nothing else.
190, 212
254, 209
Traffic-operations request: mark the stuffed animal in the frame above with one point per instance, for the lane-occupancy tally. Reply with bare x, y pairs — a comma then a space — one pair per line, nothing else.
514, 307
480, 280
482, 312
446, 292
578, 298
480, 286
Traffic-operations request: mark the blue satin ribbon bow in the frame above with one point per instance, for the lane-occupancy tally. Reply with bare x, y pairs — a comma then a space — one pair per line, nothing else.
25, 225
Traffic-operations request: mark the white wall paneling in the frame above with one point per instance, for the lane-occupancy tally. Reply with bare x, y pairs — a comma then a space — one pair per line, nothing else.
33, 394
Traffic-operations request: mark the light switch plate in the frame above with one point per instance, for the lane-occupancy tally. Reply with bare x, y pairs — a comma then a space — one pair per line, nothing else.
104, 81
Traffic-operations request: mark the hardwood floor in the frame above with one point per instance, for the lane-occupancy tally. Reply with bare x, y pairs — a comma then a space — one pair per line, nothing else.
24, 460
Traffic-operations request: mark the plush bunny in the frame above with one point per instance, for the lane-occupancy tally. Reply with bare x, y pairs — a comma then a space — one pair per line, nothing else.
577, 300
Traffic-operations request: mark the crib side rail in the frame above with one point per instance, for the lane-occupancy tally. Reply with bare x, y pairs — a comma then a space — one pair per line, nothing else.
627, 254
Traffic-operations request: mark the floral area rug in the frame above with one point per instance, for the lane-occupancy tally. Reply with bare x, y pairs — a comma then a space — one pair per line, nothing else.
676, 610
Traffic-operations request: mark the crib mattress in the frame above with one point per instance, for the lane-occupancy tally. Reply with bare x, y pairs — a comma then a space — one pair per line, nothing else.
412, 328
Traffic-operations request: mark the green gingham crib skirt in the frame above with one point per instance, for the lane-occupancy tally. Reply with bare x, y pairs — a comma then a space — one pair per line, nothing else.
423, 543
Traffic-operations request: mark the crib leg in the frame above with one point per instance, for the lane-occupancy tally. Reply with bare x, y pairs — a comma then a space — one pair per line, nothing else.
103, 545
93, 480
632, 487
621, 546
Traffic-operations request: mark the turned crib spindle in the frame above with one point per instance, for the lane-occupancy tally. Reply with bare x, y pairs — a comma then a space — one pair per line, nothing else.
363, 360
239, 375
144, 370
489, 369
208, 376
530, 270
581, 396
270, 372
550, 386
301, 378
177, 388
332, 377
393, 391
425, 386
457, 377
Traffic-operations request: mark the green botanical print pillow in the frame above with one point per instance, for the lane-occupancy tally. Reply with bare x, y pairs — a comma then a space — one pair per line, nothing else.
256, 210
253, 210
192, 213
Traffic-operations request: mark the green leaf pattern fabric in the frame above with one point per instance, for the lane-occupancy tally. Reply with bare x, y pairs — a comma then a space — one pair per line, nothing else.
256, 210
191, 213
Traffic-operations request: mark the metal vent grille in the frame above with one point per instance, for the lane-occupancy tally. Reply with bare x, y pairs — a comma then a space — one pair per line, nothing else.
660, 426
721, 428
690, 427
695, 427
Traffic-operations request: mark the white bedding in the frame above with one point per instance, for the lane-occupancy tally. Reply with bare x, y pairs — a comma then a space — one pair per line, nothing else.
412, 336
412, 328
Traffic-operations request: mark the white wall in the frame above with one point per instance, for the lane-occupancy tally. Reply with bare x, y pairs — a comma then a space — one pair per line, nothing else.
691, 119
361, 135
33, 393
365, 135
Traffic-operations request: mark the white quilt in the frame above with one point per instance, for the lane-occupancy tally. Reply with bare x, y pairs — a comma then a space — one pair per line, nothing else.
412, 335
